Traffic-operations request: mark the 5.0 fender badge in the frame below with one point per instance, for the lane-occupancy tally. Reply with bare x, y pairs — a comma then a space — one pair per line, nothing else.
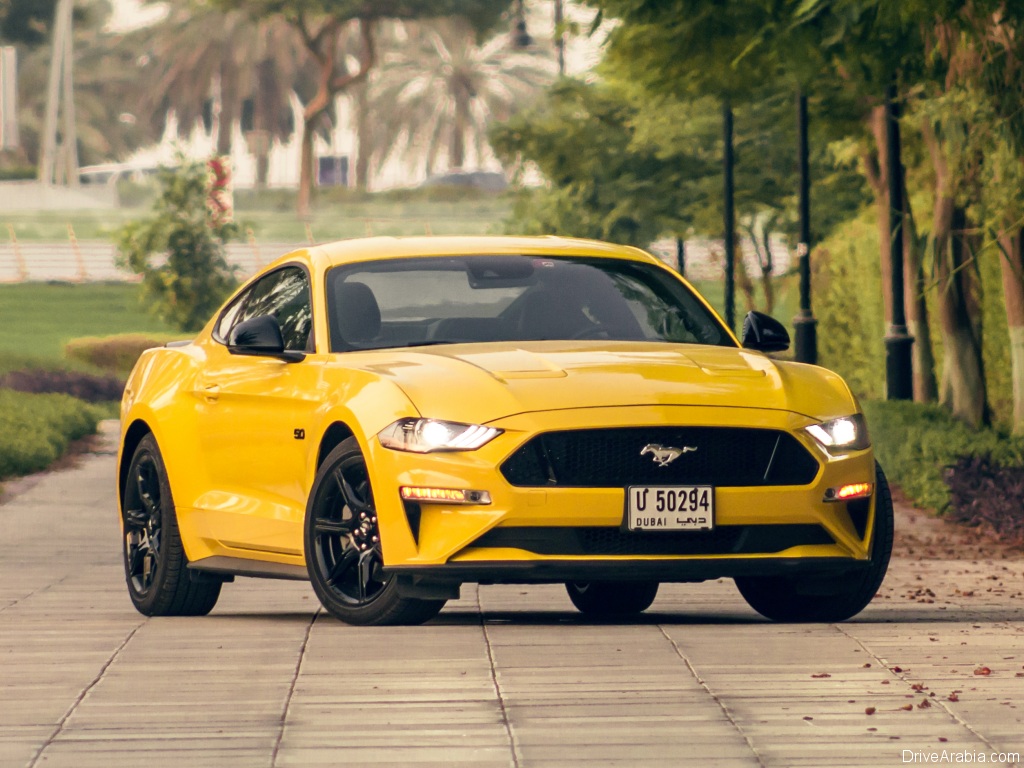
664, 455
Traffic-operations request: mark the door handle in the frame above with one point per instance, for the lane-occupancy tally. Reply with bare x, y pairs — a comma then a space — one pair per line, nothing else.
211, 392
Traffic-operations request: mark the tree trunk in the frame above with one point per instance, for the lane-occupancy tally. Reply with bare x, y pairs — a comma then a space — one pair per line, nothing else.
1012, 265
877, 176
261, 137
963, 373
364, 137
926, 388
767, 272
323, 45
306, 161
228, 110
915, 306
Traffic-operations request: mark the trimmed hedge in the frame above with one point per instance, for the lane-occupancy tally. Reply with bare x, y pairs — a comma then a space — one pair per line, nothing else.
84, 386
36, 429
115, 354
918, 444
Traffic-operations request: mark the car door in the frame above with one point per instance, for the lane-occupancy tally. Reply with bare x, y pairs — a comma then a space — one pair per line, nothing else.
254, 411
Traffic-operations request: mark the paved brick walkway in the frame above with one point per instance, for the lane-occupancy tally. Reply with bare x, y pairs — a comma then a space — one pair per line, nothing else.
507, 676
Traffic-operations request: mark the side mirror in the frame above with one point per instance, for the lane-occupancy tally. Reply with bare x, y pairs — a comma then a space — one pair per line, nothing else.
764, 333
261, 336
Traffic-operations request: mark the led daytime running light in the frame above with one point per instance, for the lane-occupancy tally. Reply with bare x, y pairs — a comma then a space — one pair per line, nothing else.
444, 495
849, 491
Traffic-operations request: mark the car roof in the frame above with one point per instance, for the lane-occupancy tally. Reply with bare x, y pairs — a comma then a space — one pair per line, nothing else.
373, 248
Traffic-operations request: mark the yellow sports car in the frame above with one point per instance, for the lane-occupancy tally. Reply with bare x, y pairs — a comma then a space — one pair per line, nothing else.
391, 418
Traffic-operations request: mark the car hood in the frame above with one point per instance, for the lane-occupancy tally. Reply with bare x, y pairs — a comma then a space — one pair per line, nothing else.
479, 383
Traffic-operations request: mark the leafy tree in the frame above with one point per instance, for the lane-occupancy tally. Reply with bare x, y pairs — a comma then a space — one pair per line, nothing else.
856, 48
972, 122
325, 25
28, 21
179, 251
197, 52
603, 180
437, 90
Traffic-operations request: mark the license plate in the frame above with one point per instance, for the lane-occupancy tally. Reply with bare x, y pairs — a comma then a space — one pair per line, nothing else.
670, 508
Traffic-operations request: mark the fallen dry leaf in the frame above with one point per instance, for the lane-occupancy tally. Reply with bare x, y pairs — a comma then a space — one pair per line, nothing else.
822, 674
924, 704
953, 697
870, 711
907, 707
983, 671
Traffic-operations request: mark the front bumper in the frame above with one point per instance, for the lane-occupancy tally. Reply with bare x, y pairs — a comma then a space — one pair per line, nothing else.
551, 571
541, 534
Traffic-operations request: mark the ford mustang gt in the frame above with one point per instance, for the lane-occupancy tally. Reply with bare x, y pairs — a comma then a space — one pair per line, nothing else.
392, 418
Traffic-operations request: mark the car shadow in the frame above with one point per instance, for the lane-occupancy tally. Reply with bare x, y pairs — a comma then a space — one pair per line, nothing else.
461, 617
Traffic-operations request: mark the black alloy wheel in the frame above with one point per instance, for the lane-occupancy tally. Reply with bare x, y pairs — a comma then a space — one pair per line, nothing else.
827, 598
344, 556
155, 565
143, 524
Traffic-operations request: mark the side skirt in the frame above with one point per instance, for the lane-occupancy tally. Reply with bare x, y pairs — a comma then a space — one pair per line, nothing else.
236, 566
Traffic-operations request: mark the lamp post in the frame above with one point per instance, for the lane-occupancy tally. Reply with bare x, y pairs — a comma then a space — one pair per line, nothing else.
899, 374
804, 324
729, 217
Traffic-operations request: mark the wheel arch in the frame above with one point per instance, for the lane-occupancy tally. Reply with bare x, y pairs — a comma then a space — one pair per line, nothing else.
334, 436
132, 437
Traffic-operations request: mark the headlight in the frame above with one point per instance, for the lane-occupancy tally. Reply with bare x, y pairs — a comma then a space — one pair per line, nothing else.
429, 435
849, 433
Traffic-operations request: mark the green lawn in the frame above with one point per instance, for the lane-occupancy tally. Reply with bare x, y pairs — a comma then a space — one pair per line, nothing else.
40, 318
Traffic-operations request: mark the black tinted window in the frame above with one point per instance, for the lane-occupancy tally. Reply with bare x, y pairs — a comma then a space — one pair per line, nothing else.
410, 302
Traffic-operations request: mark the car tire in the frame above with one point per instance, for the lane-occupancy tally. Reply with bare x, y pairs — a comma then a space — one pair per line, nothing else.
343, 548
828, 599
155, 565
612, 598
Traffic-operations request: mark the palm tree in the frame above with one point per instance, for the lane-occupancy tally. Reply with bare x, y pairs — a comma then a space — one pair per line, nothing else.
438, 89
198, 54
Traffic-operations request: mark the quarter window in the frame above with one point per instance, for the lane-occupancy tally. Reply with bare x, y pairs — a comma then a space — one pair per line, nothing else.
284, 295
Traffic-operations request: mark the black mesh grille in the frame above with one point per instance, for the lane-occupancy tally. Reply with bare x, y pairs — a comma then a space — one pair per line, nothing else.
724, 540
611, 458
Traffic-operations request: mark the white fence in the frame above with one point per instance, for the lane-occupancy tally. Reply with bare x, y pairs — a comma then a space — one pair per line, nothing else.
95, 260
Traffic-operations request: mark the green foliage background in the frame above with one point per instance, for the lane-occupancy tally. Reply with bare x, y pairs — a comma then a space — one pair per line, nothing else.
195, 277
36, 429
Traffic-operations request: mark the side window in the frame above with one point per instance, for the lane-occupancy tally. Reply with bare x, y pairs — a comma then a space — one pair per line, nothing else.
229, 318
284, 295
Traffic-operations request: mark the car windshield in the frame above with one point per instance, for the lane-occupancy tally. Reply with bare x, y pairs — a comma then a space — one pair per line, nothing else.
449, 300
